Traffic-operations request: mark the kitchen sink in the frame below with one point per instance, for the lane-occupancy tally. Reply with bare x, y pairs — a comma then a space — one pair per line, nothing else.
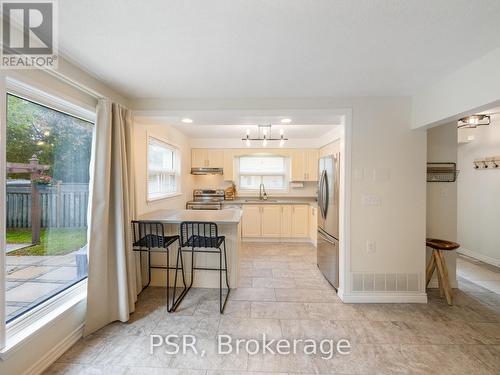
260, 200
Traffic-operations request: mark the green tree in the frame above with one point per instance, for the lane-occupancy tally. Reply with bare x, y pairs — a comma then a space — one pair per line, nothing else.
58, 139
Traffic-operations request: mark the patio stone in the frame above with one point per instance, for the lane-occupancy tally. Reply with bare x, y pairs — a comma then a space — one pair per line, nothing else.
12, 284
60, 260
13, 260
15, 246
30, 291
29, 272
60, 274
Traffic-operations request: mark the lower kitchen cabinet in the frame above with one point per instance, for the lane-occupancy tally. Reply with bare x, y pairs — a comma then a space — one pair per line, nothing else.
286, 221
271, 220
250, 222
300, 221
313, 224
276, 221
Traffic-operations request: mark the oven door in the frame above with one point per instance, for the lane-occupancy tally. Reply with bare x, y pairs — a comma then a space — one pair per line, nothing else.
203, 206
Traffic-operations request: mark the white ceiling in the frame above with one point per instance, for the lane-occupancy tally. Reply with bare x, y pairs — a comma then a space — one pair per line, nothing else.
275, 48
233, 124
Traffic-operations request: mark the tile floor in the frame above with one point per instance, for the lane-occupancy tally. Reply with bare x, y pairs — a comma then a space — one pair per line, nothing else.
479, 273
291, 300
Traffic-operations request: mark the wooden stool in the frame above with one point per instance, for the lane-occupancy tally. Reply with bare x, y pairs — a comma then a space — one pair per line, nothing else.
437, 260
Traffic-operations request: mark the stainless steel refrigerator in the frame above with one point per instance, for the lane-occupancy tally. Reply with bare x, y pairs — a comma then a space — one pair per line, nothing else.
328, 218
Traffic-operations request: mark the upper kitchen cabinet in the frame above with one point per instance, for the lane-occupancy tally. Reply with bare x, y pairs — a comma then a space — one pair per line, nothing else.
229, 165
207, 158
304, 165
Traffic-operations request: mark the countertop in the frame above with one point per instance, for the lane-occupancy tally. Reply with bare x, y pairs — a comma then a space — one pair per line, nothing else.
273, 200
226, 216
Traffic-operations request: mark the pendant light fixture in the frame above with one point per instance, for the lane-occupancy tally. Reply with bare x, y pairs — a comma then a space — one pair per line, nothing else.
473, 121
264, 135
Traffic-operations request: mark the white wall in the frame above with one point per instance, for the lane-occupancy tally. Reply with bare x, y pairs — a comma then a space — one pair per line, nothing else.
170, 135
388, 162
442, 196
479, 195
472, 88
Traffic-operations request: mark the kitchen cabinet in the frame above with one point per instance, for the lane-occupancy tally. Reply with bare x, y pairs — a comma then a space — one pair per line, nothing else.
300, 221
229, 165
271, 220
198, 158
286, 221
298, 161
304, 165
276, 221
313, 224
250, 222
207, 158
312, 167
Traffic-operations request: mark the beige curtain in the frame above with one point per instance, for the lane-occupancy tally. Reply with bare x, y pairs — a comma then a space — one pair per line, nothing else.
114, 279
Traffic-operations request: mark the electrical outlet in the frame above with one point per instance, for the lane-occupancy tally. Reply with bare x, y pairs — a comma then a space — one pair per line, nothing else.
371, 247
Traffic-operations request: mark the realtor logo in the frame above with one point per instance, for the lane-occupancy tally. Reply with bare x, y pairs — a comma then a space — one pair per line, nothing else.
29, 34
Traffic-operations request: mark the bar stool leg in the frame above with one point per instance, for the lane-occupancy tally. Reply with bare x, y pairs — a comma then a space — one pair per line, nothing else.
443, 273
168, 277
448, 291
222, 305
149, 269
439, 275
431, 266
175, 303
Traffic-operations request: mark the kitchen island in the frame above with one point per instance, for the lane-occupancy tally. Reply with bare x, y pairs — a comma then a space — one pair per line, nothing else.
228, 223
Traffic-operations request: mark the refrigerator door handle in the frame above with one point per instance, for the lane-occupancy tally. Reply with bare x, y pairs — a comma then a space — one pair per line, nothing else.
326, 237
326, 194
322, 194
319, 195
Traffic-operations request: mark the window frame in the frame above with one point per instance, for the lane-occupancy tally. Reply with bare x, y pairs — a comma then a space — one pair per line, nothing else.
21, 328
286, 175
177, 167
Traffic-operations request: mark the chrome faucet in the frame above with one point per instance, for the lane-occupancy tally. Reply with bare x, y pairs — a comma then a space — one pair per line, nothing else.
262, 192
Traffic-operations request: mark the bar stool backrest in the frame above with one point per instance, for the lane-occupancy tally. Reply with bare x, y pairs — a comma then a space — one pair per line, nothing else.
199, 234
148, 234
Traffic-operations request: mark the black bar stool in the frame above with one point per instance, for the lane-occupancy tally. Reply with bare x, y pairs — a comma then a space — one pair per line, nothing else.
149, 237
202, 237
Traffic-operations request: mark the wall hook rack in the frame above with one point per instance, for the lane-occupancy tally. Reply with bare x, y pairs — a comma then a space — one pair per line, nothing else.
491, 162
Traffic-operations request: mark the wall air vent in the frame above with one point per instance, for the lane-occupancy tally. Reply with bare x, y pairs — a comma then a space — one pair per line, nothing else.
385, 282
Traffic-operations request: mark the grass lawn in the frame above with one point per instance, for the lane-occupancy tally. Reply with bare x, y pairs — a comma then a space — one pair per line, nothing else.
53, 241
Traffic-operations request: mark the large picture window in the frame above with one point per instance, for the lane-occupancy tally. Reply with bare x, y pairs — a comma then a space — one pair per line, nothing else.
163, 169
272, 171
47, 190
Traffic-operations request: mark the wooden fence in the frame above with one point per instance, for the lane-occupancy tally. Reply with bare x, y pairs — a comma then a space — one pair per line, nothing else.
62, 205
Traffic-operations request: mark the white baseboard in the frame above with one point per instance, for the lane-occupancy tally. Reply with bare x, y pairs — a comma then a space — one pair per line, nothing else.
55, 352
383, 297
479, 256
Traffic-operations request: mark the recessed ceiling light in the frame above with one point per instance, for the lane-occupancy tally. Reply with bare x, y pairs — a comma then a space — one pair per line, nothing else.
286, 120
187, 120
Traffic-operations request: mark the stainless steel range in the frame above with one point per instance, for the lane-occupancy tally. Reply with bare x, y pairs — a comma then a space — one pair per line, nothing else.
206, 199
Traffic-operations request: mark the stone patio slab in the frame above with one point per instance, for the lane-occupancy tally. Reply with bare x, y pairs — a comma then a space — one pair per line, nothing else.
30, 291
60, 274
16, 246
29, 272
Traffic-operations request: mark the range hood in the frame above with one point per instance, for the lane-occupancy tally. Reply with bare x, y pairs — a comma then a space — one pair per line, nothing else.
204, 171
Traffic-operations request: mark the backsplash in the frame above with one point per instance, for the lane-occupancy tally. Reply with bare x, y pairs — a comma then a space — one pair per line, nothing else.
217, 182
